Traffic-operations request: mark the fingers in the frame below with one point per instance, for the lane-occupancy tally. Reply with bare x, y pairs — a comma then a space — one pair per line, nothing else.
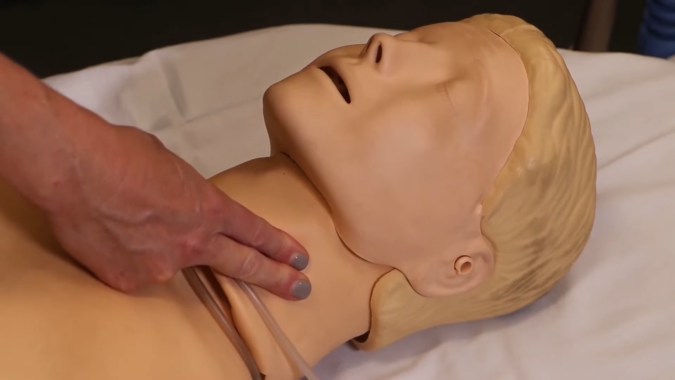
249, 229
240, 261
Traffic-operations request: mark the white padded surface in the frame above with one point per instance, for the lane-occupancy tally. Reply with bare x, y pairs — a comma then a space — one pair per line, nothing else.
612, 317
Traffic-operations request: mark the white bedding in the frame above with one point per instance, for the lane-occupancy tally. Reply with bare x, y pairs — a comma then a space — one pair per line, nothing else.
612, 317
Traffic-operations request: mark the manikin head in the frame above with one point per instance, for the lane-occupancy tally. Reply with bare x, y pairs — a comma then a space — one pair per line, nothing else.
458, 154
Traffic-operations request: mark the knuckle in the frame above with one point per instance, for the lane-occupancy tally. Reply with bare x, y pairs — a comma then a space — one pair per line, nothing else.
213, 203
214, 207
160, 269
258, 236
193, 247
161, 274
249, 266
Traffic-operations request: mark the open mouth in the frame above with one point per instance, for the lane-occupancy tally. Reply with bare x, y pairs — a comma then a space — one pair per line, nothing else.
338, 82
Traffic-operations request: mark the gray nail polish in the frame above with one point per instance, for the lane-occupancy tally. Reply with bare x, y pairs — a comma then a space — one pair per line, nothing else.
301, 289
299, 261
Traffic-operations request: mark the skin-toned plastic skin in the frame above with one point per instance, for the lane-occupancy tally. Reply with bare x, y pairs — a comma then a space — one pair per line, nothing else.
343, 178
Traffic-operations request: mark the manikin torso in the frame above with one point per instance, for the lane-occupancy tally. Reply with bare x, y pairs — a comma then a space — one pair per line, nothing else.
58, 322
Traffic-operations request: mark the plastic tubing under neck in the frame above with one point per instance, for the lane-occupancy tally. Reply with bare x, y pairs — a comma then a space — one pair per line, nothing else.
286, 345
197, 285
223, 321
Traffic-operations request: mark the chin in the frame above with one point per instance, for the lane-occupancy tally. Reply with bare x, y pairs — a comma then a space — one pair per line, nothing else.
283, 105
273, 96
284, 96
276, 99
298, 110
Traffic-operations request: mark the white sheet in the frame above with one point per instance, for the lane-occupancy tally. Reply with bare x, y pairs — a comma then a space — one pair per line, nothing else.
612, 317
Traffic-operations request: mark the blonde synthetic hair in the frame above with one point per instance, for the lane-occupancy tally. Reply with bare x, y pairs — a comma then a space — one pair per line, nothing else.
537, 216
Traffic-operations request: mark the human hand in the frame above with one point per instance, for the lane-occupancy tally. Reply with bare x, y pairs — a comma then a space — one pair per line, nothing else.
134, 213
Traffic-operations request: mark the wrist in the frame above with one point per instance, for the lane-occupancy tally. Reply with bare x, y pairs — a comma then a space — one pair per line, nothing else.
44, 138
83, 140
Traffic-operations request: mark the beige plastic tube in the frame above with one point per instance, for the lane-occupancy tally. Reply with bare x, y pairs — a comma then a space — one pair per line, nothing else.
223, 321
281, 338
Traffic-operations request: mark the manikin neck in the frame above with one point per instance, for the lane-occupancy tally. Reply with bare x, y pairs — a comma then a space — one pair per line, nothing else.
338, 308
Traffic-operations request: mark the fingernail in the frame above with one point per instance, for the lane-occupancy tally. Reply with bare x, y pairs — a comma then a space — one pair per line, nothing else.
301, 289
299, 261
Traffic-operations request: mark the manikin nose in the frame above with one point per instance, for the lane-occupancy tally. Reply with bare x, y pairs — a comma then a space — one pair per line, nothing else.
375, 48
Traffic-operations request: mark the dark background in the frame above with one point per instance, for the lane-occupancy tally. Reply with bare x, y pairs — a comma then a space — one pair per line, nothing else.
56, 36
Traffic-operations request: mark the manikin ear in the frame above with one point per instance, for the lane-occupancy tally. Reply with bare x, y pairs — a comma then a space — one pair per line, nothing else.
470, 265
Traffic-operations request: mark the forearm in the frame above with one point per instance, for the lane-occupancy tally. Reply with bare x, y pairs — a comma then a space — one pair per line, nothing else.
42, 135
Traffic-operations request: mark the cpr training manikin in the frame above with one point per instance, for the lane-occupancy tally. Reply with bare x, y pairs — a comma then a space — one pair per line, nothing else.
441, 175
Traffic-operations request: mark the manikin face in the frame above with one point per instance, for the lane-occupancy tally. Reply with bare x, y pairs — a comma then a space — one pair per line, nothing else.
404, 136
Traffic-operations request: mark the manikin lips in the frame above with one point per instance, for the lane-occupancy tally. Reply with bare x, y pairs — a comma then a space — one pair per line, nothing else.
338, 82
